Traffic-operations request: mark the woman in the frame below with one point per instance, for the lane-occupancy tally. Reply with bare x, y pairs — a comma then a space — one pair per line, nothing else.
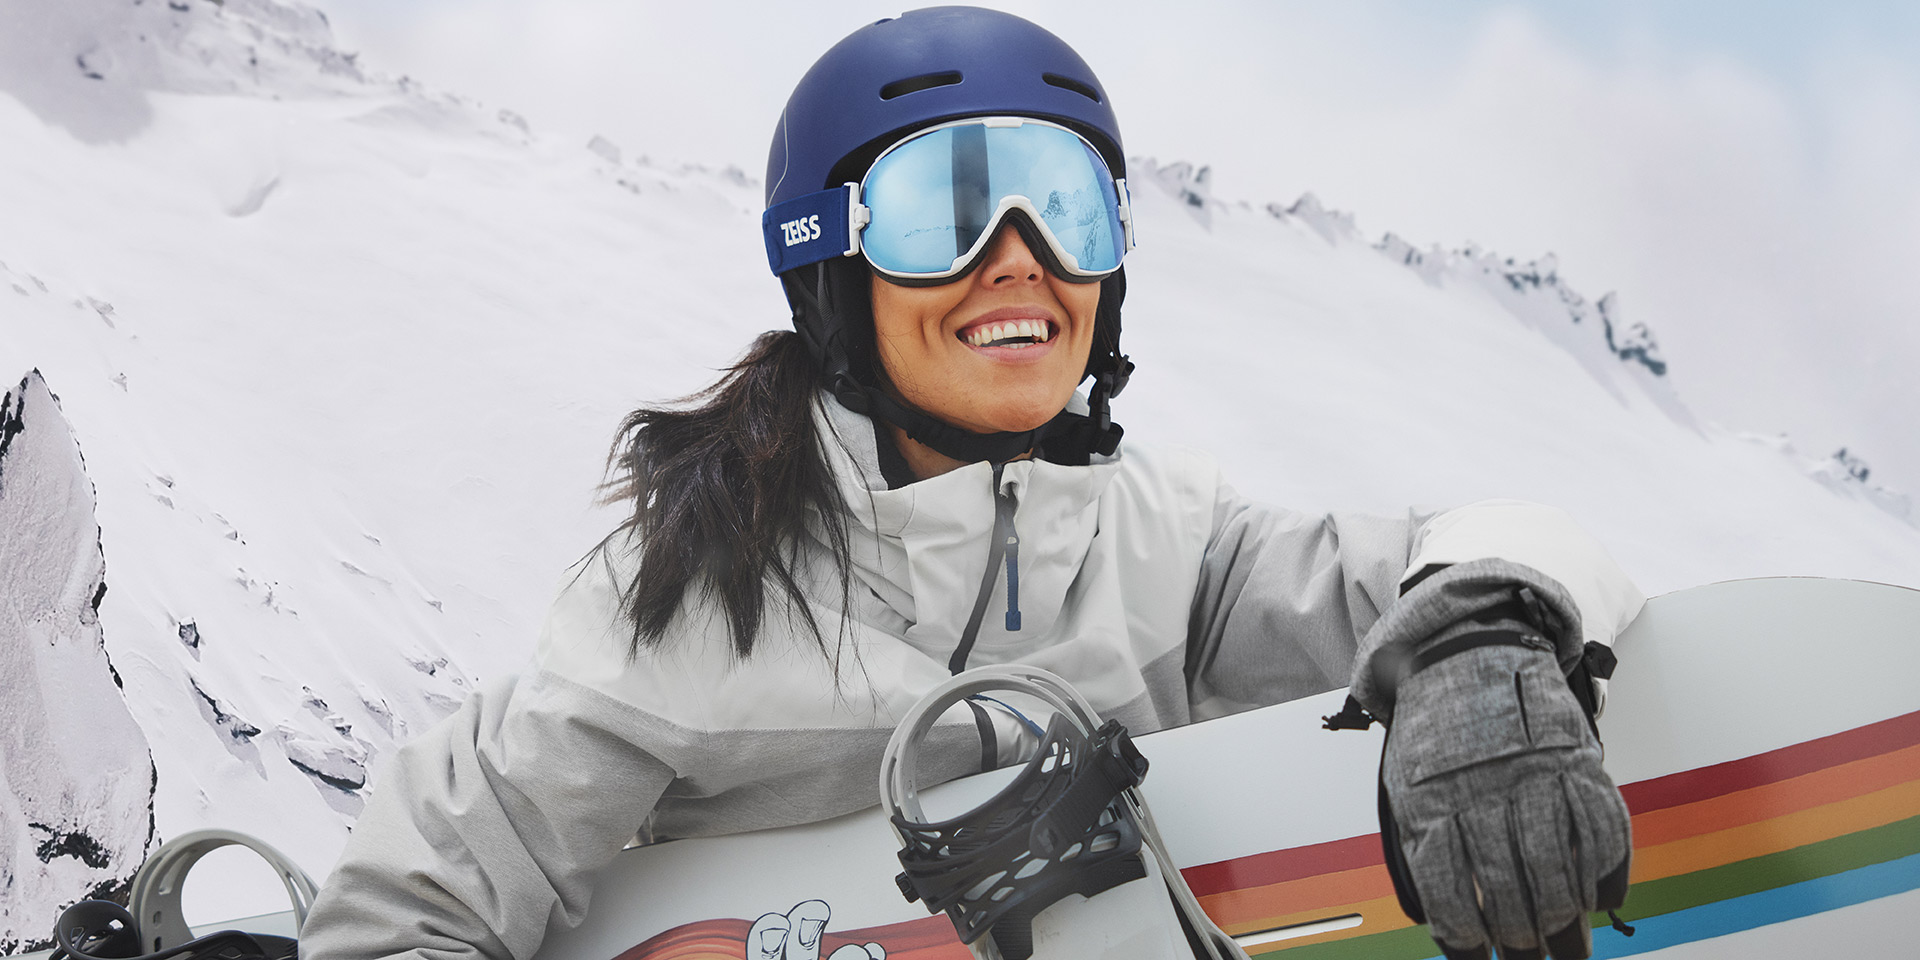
822, 538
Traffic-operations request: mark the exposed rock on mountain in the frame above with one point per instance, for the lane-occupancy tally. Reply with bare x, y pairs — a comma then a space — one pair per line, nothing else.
88, 65
76, 777
1192, 187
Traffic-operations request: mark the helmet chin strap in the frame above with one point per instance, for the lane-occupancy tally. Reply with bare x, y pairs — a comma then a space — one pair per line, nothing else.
1069, 438
964, 445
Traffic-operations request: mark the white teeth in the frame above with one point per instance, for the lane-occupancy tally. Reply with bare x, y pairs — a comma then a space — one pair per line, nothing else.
1039, 331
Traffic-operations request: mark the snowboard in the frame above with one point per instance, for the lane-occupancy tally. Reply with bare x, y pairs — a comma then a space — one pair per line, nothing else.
1765, 734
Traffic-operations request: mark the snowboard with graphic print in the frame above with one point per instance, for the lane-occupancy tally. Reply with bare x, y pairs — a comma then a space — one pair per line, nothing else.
1765, 734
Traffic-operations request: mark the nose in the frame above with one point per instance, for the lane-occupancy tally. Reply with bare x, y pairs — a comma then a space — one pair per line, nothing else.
1008, 260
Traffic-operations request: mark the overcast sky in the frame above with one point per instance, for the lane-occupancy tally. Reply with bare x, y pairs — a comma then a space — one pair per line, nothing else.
1745, 174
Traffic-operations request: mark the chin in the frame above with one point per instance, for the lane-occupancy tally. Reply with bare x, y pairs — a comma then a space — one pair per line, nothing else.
1024, 418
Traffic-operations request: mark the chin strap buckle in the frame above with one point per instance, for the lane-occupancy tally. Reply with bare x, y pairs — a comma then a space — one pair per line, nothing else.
1107, 385
1118, 375
851, 394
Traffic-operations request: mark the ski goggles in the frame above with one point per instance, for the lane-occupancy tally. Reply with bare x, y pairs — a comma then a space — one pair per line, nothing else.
930, 204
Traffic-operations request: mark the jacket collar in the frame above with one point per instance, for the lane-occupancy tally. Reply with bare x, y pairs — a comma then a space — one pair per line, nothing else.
919, 552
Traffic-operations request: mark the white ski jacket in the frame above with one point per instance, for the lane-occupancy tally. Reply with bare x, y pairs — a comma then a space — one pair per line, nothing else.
1142, 579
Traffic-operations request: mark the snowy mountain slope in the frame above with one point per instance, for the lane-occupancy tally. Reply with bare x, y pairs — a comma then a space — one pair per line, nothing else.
260, 311
1324, 370
345, 356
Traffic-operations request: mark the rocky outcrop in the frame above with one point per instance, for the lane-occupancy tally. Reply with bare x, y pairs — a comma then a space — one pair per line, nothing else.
76, 776
1334, 226
1846, 473
1192, 186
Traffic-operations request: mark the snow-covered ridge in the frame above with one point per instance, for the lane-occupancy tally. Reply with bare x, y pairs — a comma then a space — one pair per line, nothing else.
1533, 291
1633, 343
89, 66
1842, 472
248, 47
1620, 355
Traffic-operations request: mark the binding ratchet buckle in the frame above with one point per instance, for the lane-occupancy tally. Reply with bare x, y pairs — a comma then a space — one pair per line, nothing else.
1072, 821
1059, 828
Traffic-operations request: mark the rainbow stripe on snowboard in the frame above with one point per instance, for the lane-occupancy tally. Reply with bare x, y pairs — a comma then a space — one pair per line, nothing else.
1795, 831
1807, 828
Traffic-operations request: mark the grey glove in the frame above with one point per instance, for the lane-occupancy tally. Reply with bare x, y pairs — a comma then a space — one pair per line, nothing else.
1502, 830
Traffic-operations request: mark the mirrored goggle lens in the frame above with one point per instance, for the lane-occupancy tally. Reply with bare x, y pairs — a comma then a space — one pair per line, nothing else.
934, 198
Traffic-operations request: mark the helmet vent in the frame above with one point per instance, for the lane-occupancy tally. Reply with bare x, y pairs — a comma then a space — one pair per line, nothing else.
900, 88
1068, 83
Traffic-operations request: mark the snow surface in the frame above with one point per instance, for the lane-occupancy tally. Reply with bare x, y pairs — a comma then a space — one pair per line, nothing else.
345, 355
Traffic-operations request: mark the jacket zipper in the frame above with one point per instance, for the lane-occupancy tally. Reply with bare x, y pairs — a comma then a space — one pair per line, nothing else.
1004, 544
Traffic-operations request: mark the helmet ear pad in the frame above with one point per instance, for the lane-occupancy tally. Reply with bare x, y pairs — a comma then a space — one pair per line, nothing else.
832, 305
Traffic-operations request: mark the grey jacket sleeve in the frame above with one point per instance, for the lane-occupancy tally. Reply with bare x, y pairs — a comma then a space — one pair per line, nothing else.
1284, 598
486, 828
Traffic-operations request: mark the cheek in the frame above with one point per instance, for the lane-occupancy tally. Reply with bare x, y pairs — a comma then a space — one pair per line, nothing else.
1082, 301
908, 312
905, 321
888, 312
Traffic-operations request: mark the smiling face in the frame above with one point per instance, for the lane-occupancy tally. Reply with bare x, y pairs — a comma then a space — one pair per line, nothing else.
1000, 349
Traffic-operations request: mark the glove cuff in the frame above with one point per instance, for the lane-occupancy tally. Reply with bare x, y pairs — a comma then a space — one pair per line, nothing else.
1457, 608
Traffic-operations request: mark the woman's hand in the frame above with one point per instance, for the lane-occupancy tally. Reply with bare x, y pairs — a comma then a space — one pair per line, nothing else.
1500, 826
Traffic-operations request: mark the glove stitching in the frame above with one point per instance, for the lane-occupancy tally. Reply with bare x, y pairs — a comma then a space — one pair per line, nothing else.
1524, 875
1520, 695
1473, 876
1584, 886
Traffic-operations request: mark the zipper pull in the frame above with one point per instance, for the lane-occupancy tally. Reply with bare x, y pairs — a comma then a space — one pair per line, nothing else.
1013, 574
1003, 507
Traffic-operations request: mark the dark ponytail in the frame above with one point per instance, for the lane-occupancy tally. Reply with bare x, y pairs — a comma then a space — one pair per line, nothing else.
722, 484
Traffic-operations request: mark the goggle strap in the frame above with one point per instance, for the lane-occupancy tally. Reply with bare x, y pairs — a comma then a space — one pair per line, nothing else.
813, 227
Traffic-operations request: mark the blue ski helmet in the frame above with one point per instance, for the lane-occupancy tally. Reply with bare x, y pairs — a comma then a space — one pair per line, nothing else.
882, 82
924, 67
